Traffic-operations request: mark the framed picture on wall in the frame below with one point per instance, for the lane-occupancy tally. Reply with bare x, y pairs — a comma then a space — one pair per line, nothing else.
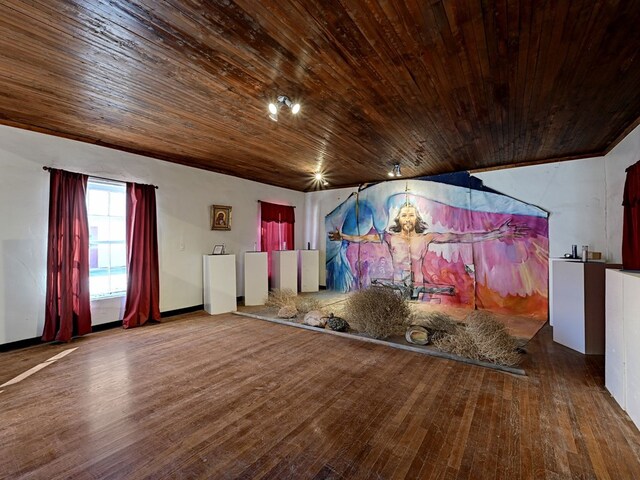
220, 217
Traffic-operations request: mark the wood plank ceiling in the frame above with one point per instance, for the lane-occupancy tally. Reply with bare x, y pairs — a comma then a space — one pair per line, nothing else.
438, 86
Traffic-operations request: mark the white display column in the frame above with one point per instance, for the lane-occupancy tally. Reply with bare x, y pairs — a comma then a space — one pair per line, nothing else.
256, 278
284, 270
552, 263
219, 283
622, 356
614, 365
578, 305
309, 270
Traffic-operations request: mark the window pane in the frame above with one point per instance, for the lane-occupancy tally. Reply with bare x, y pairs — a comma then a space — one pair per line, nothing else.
118, 255
104, 257
117, 228
107, 231
99, 228
99, 286
98, 202
119, 282
117, 205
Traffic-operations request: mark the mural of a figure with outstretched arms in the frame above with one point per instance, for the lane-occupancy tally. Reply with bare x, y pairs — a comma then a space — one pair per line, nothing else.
459, 244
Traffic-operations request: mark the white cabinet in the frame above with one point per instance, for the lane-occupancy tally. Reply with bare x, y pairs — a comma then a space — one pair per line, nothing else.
256, 278
284, 270
578, 305
622, 357
309, 270
219, 282
614, 366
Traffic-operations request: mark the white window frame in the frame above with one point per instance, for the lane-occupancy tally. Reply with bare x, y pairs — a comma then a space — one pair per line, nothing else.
107, 185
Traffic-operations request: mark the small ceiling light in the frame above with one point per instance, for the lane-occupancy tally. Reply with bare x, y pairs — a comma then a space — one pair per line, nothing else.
395, 172
283, 100
318, 178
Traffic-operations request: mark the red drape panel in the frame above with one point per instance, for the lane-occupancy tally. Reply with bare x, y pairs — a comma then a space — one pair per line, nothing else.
276, 228
631, 222
272, 212
143, 284
68, 307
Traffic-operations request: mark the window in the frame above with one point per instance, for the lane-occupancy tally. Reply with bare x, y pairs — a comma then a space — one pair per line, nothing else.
106, 208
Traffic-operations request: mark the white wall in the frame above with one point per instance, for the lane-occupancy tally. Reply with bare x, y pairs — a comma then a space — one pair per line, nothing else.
583, 198
184, 234
625, 154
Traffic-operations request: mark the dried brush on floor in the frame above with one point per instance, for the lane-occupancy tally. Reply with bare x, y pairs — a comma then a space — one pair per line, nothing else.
483, 338
378, 312
305, 304
438, 324
279, 298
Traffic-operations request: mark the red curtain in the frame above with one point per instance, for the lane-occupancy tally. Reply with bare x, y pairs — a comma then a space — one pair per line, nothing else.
143, 285
276, 228
631, 222
68, 308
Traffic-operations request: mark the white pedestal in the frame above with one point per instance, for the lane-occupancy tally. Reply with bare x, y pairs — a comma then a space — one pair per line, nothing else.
578, 306
622, 356
284, 270
219, 283
552, 263
256, 278
309, 270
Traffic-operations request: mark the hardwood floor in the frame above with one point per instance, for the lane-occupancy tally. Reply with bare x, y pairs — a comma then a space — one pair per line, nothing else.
233, 397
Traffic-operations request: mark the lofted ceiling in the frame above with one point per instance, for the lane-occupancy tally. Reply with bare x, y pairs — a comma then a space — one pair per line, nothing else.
438, 86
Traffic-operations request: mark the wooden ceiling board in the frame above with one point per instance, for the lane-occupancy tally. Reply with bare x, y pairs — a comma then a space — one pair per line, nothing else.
438, 86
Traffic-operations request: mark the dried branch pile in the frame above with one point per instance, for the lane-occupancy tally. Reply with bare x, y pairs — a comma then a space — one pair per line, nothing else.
483, 338
278, 299
378, 312
438, 324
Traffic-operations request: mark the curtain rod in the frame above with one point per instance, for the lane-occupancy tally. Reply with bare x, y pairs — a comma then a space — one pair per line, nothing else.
95, 176
262, 201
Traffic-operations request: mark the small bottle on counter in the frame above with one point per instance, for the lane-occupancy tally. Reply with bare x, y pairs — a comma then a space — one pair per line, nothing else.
585, 253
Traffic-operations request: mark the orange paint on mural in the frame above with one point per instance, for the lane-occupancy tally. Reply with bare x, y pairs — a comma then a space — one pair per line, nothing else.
535, 306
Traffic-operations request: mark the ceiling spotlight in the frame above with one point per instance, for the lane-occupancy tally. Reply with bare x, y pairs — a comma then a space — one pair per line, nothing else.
283, 100
395, 172
318, 177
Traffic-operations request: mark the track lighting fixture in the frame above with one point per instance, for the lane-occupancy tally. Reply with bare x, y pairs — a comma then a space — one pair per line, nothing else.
283, 100
395, 172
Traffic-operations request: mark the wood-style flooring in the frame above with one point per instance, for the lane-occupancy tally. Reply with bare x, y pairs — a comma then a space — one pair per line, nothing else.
238, 398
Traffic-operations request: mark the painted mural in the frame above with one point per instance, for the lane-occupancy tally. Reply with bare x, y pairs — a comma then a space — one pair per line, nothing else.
443, 244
